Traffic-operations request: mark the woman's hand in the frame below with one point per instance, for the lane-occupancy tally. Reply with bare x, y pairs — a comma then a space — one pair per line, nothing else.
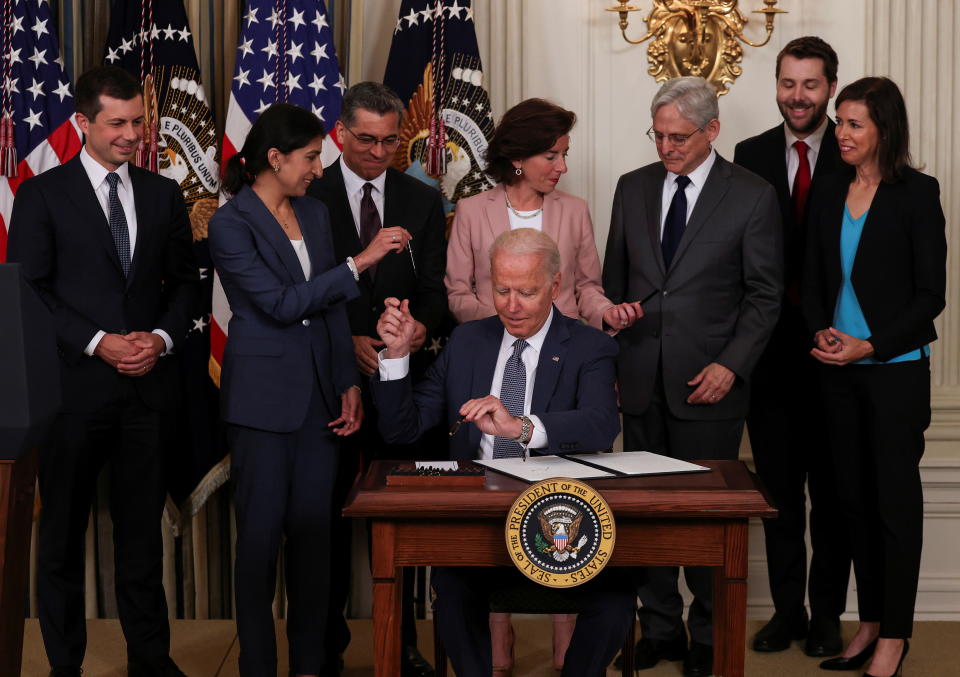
351, 413
388, 240
834, 347
622, 316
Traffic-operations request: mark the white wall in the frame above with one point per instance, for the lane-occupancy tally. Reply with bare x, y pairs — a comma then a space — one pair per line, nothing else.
571, 51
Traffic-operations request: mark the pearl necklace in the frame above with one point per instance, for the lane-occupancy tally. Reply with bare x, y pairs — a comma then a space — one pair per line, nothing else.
518, 214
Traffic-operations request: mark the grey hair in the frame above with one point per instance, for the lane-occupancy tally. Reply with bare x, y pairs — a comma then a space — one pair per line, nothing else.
372, 96
524, 241
694, 97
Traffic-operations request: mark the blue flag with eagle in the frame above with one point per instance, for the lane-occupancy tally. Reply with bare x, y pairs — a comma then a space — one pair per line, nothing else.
152, 40
434, 66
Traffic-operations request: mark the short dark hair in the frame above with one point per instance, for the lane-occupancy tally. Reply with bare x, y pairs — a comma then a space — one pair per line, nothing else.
282, 126
107, 81
372, 96
888, 112
529, 128
811, 47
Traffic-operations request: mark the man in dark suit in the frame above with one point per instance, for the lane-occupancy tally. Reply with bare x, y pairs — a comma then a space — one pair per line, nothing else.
785, 423
363, 194
108, 246
527, 377
703, 236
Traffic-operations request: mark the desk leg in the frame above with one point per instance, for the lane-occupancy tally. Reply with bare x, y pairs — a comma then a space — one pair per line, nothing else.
387, 580
730, 603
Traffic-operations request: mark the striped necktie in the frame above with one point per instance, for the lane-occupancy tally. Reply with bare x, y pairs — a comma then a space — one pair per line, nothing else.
512, 393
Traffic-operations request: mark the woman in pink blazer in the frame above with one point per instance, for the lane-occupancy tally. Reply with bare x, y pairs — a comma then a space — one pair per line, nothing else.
527, 157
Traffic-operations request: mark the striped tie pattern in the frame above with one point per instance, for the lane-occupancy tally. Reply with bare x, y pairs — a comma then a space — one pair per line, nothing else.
118, 224
512, 392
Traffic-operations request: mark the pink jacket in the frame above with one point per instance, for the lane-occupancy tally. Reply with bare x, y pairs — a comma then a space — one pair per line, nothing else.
479, 219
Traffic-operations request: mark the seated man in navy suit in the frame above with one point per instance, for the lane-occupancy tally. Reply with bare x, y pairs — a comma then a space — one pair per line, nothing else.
528, 377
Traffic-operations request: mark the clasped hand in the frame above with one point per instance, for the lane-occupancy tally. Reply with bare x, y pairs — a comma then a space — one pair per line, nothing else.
623, 315
833, 347
712, 384
133, 354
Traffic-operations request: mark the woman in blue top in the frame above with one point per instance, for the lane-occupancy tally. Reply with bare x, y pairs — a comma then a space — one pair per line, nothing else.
875, 279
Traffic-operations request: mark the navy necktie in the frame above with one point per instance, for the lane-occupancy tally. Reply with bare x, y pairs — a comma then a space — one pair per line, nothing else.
676, 221
512, 393
118, 224
369, 221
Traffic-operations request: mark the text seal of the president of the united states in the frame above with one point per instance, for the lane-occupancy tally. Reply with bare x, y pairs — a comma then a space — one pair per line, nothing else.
560, 532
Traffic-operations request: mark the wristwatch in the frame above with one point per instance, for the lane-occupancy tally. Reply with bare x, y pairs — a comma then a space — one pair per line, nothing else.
526, 430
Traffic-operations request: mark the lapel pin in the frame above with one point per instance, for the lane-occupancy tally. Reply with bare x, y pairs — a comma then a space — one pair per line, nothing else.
555, 358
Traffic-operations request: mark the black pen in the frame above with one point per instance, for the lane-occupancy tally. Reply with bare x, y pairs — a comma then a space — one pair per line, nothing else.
649, 296
456, 426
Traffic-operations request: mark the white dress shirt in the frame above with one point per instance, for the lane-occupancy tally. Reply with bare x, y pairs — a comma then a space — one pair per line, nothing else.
813, 141
97, 174
353, 183
392, 370
698, 177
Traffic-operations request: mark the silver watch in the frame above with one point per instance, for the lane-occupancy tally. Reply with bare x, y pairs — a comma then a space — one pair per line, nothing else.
526, 430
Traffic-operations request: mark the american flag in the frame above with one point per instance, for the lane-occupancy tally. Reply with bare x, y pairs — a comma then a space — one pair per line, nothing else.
37, 96
285, 54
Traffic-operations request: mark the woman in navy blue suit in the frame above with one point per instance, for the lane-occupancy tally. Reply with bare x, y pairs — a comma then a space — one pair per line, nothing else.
289, 387
875, 280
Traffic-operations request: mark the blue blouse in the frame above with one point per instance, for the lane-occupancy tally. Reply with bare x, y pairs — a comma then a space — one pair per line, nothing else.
848, 316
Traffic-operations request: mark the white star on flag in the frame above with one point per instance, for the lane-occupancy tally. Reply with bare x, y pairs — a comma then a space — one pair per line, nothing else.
33, 119
319, 52
241, 78
317, 83
63, 90
40, 27
36, 89
246, 46
297, 19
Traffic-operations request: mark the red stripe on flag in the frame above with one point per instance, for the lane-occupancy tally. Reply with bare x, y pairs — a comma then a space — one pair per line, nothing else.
65, 141
23, 173
218, 341
3, 240
226, 152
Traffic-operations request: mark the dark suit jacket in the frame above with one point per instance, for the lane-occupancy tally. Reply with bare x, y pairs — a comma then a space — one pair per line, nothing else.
286, 334
573, 394
899, 273
59, 233
407, 202
764, 155
718, 301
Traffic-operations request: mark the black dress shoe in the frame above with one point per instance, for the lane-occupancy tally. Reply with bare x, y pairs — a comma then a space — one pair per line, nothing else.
780, 631
65, 672
897, 672
851, 663
699, 661
413, 664
824, 637
153, 667
649, 652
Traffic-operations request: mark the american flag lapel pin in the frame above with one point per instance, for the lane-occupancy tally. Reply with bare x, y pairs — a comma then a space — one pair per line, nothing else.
555, 358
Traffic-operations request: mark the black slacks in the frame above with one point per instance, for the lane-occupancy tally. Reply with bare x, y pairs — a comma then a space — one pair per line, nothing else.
124, 436
877, 415
659, 431
606, 610
789, 439
283, 488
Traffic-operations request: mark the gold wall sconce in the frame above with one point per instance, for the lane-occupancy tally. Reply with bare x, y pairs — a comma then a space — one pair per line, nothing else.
696, 37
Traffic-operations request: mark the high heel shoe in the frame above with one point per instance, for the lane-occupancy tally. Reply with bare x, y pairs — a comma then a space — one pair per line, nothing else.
906, 649
853, 662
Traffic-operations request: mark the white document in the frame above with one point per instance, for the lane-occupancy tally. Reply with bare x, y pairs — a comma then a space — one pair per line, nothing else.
439, 465
636, 463
538, 468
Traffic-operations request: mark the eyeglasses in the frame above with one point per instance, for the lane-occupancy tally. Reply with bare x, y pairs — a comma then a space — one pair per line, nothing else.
675, 139
367, 141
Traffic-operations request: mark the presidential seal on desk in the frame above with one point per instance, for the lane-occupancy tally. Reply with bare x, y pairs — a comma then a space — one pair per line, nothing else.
560, 532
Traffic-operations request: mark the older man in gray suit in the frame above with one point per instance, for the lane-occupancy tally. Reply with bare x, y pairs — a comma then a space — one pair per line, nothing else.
703, 236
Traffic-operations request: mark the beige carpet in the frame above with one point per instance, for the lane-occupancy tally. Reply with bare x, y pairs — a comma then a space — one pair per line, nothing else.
209, 649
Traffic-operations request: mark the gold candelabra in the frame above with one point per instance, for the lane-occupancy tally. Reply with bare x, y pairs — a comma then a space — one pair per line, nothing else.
696, 37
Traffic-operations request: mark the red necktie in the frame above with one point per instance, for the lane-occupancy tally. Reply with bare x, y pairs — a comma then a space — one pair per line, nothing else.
801, 183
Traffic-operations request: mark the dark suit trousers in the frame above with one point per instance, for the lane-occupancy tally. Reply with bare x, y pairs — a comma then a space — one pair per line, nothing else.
283, 487
125, 436
877, 415
659, 431
463, 608
791, 451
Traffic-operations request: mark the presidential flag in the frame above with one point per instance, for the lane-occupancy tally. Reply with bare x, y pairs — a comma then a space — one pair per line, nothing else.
37, 127
434, 66
285, 54
152, 40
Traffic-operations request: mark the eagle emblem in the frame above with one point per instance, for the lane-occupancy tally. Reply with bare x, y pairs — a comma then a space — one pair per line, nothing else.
559, 528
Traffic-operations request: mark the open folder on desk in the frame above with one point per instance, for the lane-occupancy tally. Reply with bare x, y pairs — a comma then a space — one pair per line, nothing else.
590, 466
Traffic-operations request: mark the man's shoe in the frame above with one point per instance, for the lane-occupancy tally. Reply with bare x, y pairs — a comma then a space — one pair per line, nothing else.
699, 661
782, 629
153, 667
649, 652
824, 637
413, 664
65, 672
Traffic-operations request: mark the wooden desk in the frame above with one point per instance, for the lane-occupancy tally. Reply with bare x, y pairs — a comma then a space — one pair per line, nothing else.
688, 520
